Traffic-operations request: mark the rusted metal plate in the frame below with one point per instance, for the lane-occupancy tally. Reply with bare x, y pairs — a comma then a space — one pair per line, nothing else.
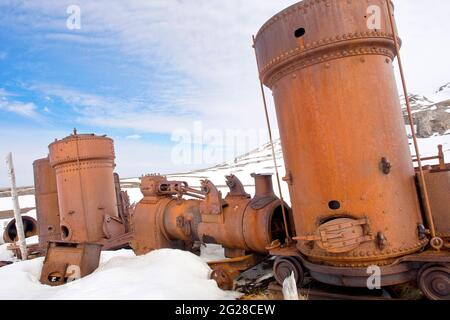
438, 184
69, 261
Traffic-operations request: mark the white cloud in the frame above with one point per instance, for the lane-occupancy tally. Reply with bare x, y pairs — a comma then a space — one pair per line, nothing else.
134, 137
20, 108
25, 109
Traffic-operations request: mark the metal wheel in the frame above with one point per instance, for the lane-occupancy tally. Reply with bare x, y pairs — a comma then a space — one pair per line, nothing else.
434, 281
283, 268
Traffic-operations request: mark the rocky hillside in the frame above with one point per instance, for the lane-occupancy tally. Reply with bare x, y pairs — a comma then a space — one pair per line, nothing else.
431, 115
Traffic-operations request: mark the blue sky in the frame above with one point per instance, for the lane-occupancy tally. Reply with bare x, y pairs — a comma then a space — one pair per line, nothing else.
137, 70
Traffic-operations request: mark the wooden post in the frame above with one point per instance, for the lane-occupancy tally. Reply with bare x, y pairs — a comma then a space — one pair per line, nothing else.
17, 214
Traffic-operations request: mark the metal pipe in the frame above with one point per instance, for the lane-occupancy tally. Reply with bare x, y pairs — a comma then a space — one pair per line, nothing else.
269, 127
15, 201
426, 197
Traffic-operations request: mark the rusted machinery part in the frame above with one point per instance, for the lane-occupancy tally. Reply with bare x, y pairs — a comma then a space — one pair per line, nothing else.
224, 279
33, 251
437, 179
350, 207
238, 223
434, 281
87, 193
46, 197
284, 267
69, 261
399, 271
30, 227
225, 272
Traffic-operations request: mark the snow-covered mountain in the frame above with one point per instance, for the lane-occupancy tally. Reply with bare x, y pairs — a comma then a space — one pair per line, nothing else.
431, 114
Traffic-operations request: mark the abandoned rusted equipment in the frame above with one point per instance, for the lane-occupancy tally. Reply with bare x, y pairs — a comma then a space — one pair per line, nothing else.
33, 251
245, 227
46, 197
69, 261
225, 272
163, 219
30, 227
79, 201
437, 179
349, 168
84, 167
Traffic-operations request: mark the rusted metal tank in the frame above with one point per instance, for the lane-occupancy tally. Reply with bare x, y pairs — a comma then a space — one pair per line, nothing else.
46, 197
349, 166
87, 199
240, 224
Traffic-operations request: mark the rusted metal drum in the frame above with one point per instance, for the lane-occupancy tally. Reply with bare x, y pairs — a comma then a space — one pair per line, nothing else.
349, 166
46, 196
84, 167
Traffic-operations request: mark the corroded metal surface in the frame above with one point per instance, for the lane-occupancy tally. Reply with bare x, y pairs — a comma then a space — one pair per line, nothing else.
342, 131
46, 197
434, 281
30, 227
87, 199
163, 219
69, 261
438, 184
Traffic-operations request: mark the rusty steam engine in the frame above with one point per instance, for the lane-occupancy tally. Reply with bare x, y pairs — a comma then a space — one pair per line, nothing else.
357, 198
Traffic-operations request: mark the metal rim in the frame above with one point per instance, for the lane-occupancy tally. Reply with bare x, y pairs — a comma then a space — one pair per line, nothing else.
283, 268
434, 281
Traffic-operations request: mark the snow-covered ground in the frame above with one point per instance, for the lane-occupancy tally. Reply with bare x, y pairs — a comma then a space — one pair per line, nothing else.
121, 276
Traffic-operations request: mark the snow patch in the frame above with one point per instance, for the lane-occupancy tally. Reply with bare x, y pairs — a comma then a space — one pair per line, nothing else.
160, 275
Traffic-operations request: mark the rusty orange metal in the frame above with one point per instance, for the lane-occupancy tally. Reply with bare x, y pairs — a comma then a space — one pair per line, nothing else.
87, 199
351, 179
46, 197
30, 227
438, 183
346, 153
69, 261
163, 219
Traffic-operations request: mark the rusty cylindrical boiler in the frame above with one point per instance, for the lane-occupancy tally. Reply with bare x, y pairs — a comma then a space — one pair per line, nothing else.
348, 162
240, 224
46, 197
87, 199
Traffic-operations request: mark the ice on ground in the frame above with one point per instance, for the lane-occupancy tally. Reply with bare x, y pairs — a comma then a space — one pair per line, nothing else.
160, 275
